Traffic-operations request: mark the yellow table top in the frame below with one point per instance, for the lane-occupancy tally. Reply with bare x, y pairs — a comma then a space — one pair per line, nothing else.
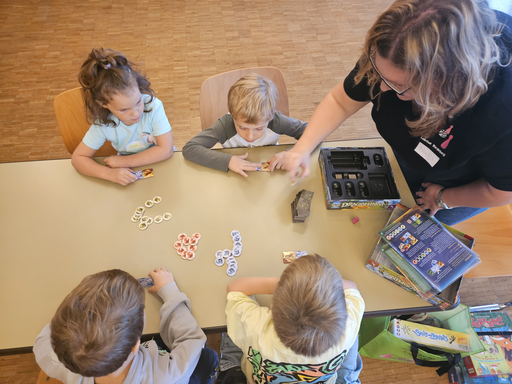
58, 226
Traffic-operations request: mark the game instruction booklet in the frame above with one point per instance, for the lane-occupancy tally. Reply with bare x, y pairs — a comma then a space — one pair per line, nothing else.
429, 248
380, 263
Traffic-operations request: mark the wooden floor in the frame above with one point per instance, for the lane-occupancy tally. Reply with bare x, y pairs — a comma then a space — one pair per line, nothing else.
177, 44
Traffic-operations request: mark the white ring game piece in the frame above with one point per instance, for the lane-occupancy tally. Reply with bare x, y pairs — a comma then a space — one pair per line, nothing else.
219, 262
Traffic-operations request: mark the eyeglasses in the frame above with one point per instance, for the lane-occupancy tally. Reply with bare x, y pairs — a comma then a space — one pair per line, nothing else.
392, 87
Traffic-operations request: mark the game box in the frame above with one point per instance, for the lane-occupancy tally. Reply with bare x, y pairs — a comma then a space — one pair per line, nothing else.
357, 178
382, 265
424, 244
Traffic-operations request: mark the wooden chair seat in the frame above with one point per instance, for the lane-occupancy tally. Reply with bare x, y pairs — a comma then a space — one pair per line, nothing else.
213, 97
492, 231
43, 378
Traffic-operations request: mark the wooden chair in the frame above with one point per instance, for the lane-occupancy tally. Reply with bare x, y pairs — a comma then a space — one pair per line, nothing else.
213, 98
70, 113
492, 231
45, 379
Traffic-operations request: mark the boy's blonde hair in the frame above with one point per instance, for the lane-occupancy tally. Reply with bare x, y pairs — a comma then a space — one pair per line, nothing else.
308, 308
98, 323
252, 99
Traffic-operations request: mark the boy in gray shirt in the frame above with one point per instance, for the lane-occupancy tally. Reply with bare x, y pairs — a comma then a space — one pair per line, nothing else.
252, 121
94, 336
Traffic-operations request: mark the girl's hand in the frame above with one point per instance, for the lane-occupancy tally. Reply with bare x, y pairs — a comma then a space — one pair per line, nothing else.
238, 164
161, 277
427, 199
277, 161
296, 163
123, 176
113, 161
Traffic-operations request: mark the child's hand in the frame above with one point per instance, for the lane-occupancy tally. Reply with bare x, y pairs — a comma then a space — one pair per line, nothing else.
123, 176
113, 161
238, 164
277, 161
161, 277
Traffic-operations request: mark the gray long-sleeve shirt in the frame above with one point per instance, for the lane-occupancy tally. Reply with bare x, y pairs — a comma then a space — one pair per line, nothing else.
179, 331
198, 149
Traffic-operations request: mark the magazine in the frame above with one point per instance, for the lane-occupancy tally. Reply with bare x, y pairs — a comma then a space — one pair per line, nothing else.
429, 248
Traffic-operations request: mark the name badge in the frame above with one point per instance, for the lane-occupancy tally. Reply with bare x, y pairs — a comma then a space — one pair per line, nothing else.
134, 145
427, 154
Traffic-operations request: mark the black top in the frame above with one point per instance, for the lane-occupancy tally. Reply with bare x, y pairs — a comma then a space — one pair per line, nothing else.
473, 145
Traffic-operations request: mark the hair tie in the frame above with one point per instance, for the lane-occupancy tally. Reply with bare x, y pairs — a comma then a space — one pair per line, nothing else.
107, 66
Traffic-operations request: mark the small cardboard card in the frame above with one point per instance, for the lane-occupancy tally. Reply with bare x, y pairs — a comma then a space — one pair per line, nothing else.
144, 174
289, 256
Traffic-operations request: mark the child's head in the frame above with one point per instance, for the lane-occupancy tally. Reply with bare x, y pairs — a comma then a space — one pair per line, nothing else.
308, 308
111, 85
98, 324
252, 103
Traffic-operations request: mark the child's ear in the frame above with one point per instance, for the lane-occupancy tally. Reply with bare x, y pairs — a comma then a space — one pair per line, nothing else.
135, 348
100, 103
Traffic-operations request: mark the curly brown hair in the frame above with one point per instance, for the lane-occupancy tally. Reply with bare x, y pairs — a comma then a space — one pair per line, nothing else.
106, 72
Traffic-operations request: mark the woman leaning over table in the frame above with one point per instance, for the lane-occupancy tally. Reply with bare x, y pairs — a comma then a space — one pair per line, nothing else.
438, 75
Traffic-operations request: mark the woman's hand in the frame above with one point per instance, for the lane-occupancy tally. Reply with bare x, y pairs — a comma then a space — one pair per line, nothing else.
296, 163
427, 199
277, 161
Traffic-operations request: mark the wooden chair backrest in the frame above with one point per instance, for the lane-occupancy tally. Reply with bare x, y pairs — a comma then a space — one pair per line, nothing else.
213, 98
73, 125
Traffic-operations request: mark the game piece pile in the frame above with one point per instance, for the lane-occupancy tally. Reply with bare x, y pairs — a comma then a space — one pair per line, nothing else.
186, 246
146, 282
301, 206
289, 256
227, 256
146, 221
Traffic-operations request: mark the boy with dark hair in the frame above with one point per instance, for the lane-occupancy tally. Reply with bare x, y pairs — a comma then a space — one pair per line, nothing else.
309, 333
94, 336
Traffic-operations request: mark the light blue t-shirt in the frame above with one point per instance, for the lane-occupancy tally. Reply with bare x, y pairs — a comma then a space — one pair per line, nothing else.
135, 138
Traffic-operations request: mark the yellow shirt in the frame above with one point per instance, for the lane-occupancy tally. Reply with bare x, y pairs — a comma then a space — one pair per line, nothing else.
267, 360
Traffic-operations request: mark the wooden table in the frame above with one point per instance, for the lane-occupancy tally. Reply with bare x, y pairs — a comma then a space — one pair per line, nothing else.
58, 226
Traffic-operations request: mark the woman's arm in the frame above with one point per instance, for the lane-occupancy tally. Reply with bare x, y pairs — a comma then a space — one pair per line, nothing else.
478, 194
83, 162
254, 285
334, 109
161, 151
